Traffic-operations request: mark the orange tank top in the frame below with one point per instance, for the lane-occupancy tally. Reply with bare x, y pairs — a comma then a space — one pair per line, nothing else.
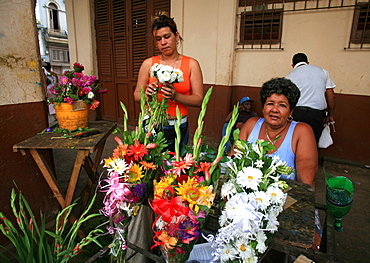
182, 87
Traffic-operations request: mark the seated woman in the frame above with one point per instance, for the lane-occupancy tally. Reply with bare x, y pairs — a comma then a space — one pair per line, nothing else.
294, 141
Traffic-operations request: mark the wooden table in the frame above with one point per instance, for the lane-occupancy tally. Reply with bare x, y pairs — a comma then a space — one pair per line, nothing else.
297, 226
297, 222
84, 146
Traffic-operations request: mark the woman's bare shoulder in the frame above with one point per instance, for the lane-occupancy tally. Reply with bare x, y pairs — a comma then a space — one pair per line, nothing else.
247, 128
303, 128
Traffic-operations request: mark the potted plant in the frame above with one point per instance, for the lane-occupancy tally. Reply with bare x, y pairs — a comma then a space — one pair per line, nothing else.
73, 96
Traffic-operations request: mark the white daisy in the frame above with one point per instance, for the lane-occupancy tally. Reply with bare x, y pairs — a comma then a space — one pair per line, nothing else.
228, 189
261, 199
118, 165
249, 177
276, 195
261, 238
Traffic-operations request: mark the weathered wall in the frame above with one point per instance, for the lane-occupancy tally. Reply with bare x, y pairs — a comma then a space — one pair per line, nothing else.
22, 105
19, 59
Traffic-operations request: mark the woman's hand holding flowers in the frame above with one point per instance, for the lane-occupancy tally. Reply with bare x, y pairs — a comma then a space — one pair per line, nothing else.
169, 91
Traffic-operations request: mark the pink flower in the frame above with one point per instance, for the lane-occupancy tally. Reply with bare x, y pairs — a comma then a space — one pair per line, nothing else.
151, 146
76, 82
53, 90
86, 90
68, 100
63, 80
103, 91
184, 163
118, 140
87, 81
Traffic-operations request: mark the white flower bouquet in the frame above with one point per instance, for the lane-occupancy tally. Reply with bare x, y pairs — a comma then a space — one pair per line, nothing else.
166, 74
156, 105
254, 199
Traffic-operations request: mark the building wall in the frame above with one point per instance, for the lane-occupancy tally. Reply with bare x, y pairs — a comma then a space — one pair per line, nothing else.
81, 34
22, 105
209, 29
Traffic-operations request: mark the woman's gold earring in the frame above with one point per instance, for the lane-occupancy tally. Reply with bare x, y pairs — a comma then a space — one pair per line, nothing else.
290, 118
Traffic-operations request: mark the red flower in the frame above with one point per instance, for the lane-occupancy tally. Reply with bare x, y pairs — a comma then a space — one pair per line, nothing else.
138, 151
182, 178
94, 105
78, 67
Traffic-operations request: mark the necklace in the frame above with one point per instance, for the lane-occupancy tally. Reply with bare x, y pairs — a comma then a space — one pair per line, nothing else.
173, 64
277, 137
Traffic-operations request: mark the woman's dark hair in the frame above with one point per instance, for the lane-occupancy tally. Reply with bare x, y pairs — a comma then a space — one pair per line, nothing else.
47, 66
280, 86
162, 19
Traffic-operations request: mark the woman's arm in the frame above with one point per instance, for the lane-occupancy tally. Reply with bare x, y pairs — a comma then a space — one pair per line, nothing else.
305, 148
196, 82
143, 80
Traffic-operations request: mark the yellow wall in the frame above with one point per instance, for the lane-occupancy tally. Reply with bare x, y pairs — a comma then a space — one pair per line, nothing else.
81, 34
209, 31
20, 64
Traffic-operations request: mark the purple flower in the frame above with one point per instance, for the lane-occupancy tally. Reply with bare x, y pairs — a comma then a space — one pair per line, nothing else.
188, 229
139, 189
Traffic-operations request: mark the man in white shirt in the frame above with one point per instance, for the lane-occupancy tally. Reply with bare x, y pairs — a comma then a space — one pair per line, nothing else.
317, 98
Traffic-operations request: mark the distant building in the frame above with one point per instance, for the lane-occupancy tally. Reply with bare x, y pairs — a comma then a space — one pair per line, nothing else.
53, 33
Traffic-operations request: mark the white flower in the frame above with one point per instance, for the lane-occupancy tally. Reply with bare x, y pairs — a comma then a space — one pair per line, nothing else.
228, 252
91, 95
127, 207
160, 224
254, 201
163, 76
249, 177
180, 75
261, 238
259, 163
243, 247
228, 189
118, 165
261, 199
272, 223
276, 195
173, 77
243, 213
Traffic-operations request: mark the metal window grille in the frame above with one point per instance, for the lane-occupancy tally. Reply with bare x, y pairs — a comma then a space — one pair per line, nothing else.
259, 22
360, 35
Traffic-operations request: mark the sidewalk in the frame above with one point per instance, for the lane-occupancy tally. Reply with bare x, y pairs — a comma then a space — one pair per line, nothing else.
352, 245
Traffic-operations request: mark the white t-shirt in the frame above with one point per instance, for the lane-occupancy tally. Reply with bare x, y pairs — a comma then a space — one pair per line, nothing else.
312, 81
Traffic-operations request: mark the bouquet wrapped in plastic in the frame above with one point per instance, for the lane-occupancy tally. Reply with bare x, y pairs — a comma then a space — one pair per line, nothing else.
253, 200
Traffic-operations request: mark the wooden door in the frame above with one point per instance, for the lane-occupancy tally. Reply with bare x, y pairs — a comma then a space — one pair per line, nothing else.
124, 39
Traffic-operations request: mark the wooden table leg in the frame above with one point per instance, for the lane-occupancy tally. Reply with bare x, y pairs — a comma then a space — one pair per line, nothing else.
91, 168
80, 158
49, 176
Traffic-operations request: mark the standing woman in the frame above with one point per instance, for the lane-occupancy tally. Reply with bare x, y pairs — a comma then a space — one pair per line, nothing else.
188, 93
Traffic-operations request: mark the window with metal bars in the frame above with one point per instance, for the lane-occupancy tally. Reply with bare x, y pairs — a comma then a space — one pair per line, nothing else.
361, 24
260, 21
261, 27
